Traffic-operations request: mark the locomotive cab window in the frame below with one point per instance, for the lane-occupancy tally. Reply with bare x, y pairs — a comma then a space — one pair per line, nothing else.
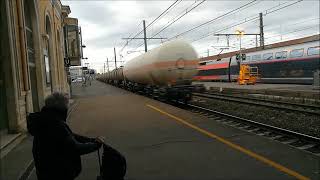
268, 56
313, 51
281, 55
296, 53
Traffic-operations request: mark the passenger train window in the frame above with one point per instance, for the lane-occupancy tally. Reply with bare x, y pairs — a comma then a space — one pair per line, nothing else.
296, 53
284, 54
268, 56
281, 55
256, 57
313, 51
248, 58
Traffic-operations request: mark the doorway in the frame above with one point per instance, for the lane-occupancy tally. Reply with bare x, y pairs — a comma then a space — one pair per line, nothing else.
3, 54
3, 102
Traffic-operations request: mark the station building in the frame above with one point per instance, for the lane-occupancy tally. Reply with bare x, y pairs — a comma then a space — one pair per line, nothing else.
34, 58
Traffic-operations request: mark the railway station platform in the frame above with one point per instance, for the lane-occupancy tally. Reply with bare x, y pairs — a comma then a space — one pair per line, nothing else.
161, 141
283, 90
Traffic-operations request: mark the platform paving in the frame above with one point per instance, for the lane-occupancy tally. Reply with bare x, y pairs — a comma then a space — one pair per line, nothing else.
158, 146
287, 90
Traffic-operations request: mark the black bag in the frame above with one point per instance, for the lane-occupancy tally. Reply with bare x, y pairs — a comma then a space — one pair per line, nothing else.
113, 165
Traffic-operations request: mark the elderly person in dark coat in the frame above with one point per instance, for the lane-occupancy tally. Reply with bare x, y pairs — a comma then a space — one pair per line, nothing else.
56, 149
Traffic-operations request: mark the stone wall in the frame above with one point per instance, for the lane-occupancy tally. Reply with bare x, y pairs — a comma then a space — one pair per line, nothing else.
25, 75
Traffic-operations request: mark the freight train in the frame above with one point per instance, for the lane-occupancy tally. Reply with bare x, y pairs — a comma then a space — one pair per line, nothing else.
164, 72
292, 61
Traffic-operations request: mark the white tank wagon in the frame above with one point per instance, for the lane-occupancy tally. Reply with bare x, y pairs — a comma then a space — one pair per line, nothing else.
165, 72
117, 76
169, 64
113, 77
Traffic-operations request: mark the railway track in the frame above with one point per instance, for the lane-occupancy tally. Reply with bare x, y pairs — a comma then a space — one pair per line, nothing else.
298, 140
304, 142
296, 107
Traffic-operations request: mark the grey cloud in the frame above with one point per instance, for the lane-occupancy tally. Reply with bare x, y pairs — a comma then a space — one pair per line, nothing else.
90, 11
111, 24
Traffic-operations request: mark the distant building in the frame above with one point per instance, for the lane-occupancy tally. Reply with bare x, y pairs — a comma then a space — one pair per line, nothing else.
75, 71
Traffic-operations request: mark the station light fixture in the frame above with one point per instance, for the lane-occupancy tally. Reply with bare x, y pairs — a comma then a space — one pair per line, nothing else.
240, 32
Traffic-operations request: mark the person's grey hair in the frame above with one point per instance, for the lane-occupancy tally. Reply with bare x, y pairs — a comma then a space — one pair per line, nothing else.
57, 100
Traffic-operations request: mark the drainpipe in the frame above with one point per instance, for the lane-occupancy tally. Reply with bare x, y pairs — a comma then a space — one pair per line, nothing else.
22, 43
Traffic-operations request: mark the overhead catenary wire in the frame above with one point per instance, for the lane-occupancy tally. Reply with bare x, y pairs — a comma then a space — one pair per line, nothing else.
186, 12
269, 12
283, 33
267, 38
249, 19
156, 19
183, 11
175, 20
291, 24
214, 19
165, 12
294, 31
127, 42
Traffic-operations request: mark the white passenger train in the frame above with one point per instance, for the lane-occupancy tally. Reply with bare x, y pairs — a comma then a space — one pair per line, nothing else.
292, 61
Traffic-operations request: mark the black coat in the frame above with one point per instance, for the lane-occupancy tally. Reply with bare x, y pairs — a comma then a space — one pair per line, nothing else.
56, 150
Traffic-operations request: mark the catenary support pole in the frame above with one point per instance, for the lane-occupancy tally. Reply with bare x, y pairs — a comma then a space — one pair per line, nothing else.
261, 31
115, 57
108, 64
145, 36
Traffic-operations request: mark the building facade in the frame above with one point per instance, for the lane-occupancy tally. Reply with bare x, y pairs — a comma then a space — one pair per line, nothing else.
32, 60
73, 39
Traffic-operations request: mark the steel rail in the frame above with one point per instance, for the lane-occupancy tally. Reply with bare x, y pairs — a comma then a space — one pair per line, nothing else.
268, 100
248, 101
262, 125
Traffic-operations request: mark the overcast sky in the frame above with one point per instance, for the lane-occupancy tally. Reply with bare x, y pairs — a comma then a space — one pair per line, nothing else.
104, 23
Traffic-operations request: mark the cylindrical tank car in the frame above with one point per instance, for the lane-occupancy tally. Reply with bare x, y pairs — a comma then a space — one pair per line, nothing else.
165, 71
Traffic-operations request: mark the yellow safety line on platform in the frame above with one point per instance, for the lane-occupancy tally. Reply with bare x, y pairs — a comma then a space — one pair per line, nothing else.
234, 146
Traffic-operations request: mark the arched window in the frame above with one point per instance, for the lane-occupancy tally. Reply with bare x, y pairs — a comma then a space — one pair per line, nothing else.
47, 52
29, 15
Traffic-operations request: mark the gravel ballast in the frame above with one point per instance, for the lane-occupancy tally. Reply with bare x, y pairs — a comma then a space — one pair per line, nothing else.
295, 121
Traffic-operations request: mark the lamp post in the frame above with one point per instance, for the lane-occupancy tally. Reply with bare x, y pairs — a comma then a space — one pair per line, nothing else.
240, 33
